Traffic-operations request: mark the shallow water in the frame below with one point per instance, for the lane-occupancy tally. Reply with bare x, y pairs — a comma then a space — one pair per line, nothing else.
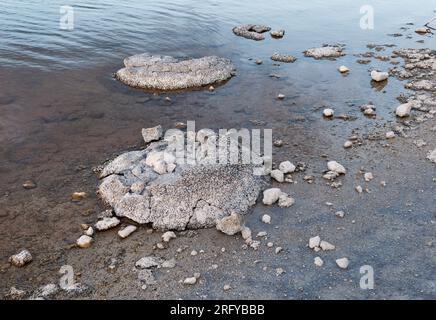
61, 112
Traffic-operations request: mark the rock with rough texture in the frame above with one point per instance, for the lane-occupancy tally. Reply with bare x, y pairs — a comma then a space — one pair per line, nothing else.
343, 69
379, 76
152, 134
270, 196
390, 135
167, 236
342, 263
431, 155
287, 167
107, 223
285, 200
368, 176
329, 52
287, 58
266, 219
314, 242
190, 281
167, 73
277, 33
277, 175
336, 167
84, 241
403, 110
21, 259
251, 31
148, 262
328, 112
246, 233
318, 261
325, 246
230, 225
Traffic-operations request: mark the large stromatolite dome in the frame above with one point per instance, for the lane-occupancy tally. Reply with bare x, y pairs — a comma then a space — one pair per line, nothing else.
167, 73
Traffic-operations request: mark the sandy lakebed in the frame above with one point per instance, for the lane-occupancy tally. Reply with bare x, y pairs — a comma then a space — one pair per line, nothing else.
62, 115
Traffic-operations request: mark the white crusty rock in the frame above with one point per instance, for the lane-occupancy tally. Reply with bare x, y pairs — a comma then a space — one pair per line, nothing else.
314, 242
148, 262
127, 231
342, 263
230, 225
246, 233
379, 76
266, 219
431, 155
152, 134
390, 135
359, 189
190, 281
286, 58
325, 246
168, 73
287, 167
84, 241
318, 261
368, 176
325, 52
270, 196
348, 144
328, 112
343, 69
89, 232
336, 167
251, 31
285, 200
20, 259
403, 110
340, 214
107, 223
167, 236
277, 175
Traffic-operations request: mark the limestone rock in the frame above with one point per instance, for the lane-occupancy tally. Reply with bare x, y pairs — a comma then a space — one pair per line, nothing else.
20, 259
324, 52
229, 225
270, 196
152, 134
379, 76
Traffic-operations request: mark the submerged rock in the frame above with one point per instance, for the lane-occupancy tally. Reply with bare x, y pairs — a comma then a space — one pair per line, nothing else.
277, 33
325, 52
379, 76
251, 31
167, 73
283, 58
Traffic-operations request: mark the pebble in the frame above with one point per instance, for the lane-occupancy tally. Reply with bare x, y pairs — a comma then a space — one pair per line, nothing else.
84, 241
340, 214
20, 259
285, 200
229, 225
318, 261
148, 262
107, 223
314, 242
280, 96
328, 112
379, 76
390, 135
277, 175
278, 250
194, 253
167, 236
89, 232
270, 244
258, 61
403, 110
277, 33
127, 231
287, 167
261, 234
279, 271
154, 133
359, 189
336, 167
343, 69
326, 246
246, 233
266, 219
77, 196
368, 176
270, 196
383, 183
226, 287
190, 281
278, 143
422, 30
348, 144
169, 264
29, 184
342, 263
211, 88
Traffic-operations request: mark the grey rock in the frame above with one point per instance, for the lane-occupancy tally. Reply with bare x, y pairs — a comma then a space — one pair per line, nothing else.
251, 31
325, 52
283, 58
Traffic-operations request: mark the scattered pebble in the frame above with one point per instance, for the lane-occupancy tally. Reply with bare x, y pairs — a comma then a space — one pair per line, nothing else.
84, 241
20, 259
194, 253
29, 184
277, 33
314, 242
326, 246
343, 69
285, 200
348, 144
77, 196
107, 223
342, 263
127, 231
280, 96
227, 287
368, 176
167, 236
270, 196
266, 219
287, 167
258, 61
336, 167
278, 250
390, 135
379, 76
89, 232
190, 281
318, 261
359, 189
270, 244
278, 143
403, 110
328, 112
277, 175
246, 233
230, 225
340, 214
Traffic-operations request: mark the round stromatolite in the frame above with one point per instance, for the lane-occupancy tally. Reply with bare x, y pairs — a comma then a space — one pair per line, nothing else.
187, 196
167, 73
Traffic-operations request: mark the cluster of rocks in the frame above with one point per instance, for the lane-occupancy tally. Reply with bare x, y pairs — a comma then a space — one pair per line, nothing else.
251, 31
316, 244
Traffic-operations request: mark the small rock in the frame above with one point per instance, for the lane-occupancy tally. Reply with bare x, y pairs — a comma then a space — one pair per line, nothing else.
277, 33
194, 253
270, 196
277, 175
348, 144
390, 135
359, 189
287, 167
246, 233
279, 271
336, 167
169, 264
29, 184
383, 183
328, 112
266, 219
285, 200
77, 196
89, 232
226, 287
211, 88
340, 214
278, 250
20, 259
127, 231
84, 241
368, 176
326, 246
379, 76
314, 242
404, 110
152, 134
261, 234
190, 281
167, 236
148, 262
107, 223
280, 96
229, 225
318, 261
270, 244
278, 143
285, 58
421, 30
343, 69
342, 263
